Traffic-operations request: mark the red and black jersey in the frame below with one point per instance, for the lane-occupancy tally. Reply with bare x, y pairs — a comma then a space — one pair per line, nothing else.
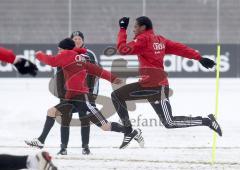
7, 55
75, 68
151, 49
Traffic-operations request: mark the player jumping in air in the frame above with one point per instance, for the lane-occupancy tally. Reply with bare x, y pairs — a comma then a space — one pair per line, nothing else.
75, 68
151, 49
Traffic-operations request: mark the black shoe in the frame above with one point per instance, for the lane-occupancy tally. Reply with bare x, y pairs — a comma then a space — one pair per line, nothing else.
214, 125
86, 151
128, 137
63, 151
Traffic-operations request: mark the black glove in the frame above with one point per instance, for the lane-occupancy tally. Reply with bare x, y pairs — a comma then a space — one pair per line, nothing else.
207, 63
26, 67
123, 22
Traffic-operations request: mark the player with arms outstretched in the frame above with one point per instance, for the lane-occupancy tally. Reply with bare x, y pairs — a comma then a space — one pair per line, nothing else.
151, 49
75, 68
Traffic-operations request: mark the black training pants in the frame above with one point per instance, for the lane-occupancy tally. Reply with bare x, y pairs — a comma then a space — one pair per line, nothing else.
12, 162
81, 103
158, 98
85, 129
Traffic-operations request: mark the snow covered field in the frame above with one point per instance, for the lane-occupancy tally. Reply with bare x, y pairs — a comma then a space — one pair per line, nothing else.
24, 102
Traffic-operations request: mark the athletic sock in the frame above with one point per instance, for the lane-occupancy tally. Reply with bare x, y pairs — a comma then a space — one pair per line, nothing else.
128, 130
46, 129
85, 131
206, 121
116, 127
64, 136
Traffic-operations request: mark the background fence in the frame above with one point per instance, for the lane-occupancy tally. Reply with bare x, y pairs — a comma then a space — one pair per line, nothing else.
30, 25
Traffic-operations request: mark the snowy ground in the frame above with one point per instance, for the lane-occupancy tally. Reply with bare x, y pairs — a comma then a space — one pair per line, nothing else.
24, 103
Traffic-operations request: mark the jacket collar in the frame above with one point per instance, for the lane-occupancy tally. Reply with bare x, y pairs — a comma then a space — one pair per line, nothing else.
145, 32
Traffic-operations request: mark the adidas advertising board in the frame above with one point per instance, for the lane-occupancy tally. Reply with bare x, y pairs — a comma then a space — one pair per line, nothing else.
175, 66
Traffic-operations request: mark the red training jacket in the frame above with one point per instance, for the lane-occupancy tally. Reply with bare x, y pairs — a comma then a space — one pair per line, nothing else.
7, 55
151, 49
75, 69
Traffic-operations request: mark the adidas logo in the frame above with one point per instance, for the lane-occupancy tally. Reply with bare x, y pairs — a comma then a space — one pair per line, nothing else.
214, 124
127, 139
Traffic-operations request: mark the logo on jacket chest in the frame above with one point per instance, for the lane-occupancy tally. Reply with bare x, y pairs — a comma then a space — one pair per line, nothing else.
80, 59
158, 47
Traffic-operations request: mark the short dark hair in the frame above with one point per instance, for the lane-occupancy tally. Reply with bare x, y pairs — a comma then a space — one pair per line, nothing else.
77, 33
143, 20
66, 44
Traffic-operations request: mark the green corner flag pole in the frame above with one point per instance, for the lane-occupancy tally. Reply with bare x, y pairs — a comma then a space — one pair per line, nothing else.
216, 101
